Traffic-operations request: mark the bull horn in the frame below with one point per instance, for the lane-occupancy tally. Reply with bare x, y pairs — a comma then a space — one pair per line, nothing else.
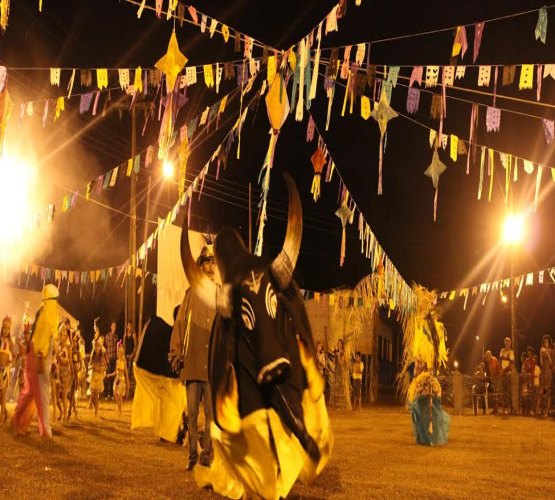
284, 264
211, 294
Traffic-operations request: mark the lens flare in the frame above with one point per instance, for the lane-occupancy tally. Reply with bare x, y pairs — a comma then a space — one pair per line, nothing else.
513, 229
167, 169
16, 183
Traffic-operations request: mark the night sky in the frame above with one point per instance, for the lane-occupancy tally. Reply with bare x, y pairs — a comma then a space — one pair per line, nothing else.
459, 249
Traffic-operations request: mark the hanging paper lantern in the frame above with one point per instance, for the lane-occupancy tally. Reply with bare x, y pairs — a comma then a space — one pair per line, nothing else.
170, 65
382, 113
344, 213
434, 170
318, 160
277, 105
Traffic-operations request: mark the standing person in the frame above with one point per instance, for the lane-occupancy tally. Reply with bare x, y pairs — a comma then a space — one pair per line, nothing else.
54, 379
77, 360
321, 358
507, 357
188, 356
130, 346
340, 389
358, 369
97, 338
65, 371
98, 373
494, 374
22, 348
6, 357
121, 382
547, 364
37, 367
111, 346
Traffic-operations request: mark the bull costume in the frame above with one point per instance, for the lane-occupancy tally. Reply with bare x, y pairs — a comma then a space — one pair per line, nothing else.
270, 423
36, 390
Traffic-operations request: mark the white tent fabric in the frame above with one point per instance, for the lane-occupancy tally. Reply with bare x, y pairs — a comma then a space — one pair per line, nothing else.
172, 283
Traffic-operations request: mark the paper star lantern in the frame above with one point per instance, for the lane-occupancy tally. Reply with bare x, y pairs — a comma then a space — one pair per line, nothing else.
344, 213
277, 103
434, 171
382, 113
318, 160
172, 63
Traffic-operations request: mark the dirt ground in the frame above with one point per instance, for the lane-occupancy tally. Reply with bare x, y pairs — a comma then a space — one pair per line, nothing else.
375, 456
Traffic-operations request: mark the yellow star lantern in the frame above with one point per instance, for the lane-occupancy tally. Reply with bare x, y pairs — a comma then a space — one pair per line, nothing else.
277, 103
172, 63
382, 113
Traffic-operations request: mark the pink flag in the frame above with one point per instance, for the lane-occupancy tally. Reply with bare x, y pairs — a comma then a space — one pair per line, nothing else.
416, 75
478, 31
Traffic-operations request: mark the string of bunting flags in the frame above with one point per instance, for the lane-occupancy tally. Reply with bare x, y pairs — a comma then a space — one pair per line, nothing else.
142, 160
457, 145
542, 277
143, 80
184, 13
459, 45
397, 290
82, 278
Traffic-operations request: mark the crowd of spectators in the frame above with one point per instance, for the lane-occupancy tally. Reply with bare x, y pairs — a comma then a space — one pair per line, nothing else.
499, 383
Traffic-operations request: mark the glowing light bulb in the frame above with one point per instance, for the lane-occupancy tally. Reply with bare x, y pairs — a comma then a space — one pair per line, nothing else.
456, 364
513, 228
167, 169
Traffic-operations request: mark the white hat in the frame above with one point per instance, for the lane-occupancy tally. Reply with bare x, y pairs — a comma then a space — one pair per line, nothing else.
50, 291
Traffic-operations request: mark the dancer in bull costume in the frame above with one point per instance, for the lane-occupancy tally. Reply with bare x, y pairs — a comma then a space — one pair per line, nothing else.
270, 424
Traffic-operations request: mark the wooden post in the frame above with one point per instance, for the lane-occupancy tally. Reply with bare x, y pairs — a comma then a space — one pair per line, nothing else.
145, 262
132, 294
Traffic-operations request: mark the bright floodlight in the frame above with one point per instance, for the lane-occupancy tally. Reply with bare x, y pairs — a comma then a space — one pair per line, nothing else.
513, 229
456, 364
477, 337
16, 179
167, 169
504, 299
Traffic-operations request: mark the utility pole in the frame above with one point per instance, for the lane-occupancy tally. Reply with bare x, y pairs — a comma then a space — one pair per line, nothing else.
132, 282
145, 262
513, 305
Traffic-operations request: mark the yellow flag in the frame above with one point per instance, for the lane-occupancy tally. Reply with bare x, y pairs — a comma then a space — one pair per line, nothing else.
138, 82
60, 106
454, 147
102, 78
208, 75
225, 33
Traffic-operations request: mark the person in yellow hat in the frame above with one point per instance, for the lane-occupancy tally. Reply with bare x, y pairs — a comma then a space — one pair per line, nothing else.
36, 390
